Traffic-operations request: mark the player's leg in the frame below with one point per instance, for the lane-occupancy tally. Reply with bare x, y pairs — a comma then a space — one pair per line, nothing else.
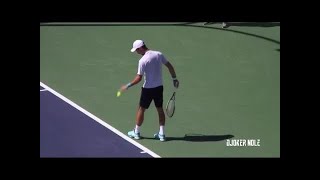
158, 101
145, 100
140, 116
162, 117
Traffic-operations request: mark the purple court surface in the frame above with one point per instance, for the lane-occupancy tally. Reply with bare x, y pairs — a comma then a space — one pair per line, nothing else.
67, 131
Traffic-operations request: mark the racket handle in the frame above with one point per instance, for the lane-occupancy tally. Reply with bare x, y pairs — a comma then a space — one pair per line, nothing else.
175, 83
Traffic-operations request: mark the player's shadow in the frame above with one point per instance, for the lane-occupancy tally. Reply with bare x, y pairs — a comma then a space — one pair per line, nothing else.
255, 24
198, 138
262, 24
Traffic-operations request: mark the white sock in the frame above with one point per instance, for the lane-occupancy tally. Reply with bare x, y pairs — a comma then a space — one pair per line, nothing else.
137, 129
161, 131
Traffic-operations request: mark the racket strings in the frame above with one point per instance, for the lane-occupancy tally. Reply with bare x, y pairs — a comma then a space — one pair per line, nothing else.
170, 108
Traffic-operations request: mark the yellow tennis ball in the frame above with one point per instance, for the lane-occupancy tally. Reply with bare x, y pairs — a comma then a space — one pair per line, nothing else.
118, 93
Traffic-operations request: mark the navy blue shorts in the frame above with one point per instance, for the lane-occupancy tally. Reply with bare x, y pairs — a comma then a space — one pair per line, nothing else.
149, 94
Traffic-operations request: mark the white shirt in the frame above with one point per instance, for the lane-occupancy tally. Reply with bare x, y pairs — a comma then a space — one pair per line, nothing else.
150, 66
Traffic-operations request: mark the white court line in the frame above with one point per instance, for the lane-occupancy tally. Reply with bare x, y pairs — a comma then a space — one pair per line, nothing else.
100, 121
43, 90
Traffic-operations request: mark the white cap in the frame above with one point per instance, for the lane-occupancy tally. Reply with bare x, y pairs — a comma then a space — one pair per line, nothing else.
137, 44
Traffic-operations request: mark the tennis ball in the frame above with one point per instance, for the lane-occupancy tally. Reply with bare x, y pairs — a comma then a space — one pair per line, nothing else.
118, 93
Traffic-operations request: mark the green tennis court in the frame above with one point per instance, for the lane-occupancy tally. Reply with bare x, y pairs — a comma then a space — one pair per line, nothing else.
229, 82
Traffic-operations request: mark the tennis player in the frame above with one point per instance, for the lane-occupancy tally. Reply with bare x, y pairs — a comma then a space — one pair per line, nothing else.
150, 66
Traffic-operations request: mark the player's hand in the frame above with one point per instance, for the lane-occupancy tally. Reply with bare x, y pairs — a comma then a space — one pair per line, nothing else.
123, 88
176, 83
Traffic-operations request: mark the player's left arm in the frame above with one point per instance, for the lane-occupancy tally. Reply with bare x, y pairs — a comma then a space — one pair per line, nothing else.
173, 74
171, 70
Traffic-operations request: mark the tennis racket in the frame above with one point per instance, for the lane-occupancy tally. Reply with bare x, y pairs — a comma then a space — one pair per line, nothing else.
170, 108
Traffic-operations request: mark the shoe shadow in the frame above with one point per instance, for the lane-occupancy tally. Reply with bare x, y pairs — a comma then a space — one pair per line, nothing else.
197, 138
